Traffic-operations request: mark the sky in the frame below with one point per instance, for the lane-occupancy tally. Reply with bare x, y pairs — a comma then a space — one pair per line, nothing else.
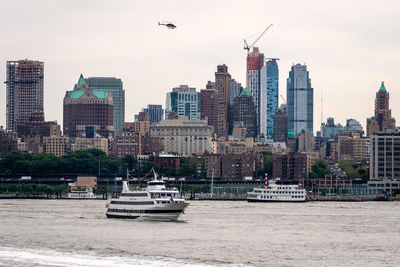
349, 47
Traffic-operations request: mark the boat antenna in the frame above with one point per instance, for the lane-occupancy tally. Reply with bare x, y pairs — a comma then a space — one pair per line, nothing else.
127, 176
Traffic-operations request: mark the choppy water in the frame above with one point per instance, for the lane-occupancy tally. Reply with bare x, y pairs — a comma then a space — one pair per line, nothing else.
77, 233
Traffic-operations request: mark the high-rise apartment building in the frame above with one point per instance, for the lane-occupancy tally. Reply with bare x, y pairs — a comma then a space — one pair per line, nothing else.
85, 107
385, 156
255, 61
244, 110
209, 104
300, 100
234, 90
24, 82
115, 87
280, 124
383, 115
222, 85
185, 101
155, 113
269, 97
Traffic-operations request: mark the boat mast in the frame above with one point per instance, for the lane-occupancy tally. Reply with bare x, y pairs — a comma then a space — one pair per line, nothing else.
212, 182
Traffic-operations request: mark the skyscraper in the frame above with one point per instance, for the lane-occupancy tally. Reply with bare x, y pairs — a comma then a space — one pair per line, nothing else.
255, 61
185, 101
222, 85
300, 100
269, 97
85, 107
115, 87
155, 113
208, 104
330, 129
24, 82
244, 110
383, 115
280, 124
235, 90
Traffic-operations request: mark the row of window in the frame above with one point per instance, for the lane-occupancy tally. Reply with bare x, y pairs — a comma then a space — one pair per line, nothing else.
134, 194
132, 202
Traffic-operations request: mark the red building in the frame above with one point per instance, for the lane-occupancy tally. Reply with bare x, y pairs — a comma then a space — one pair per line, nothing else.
164, 161
209, 104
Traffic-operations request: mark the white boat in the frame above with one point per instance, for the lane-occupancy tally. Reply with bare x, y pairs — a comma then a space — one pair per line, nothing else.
79, 194
273, 192
155, 202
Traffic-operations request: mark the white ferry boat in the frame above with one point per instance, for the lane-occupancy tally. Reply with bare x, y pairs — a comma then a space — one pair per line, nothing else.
79, 194
273, 192
156, 202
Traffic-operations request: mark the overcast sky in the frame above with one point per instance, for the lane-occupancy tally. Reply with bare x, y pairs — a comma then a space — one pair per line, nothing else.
349, 47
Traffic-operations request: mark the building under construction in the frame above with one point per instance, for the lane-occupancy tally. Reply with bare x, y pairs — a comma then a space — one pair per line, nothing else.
24, 82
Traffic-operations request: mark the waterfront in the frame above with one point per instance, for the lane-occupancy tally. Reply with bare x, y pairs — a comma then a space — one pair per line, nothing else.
77, 233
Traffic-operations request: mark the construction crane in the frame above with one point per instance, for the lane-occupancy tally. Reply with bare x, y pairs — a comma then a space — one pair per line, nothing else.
247, 47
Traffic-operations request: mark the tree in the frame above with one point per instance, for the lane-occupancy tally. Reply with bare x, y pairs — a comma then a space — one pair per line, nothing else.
319, 169
129, 162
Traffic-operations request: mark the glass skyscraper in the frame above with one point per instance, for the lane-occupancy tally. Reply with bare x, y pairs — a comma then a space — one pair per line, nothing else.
114, 86
300, 100
155, 113
185, 101
269, 97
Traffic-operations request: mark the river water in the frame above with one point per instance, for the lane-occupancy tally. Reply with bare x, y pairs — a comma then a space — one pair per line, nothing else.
210, 233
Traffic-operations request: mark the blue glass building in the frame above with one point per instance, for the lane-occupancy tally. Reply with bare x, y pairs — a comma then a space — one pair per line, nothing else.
300, 100
184, 101
155, 113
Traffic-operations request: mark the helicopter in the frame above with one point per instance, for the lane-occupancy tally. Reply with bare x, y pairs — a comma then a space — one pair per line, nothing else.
169, 25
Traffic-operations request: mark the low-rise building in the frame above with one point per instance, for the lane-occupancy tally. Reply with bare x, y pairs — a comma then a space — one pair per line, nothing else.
8, 142
292, 166
183, 136
125, 144
89, 143
167, 161
56, 144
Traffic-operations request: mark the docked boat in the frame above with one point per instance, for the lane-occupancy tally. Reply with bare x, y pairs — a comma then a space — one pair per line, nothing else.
155, 202
82, 194
273, 192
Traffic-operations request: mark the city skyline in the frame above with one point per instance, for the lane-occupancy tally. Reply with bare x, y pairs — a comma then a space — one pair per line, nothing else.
355, 54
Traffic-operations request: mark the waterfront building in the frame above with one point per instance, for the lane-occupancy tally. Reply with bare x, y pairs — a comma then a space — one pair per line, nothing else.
56, 144
85, 107
155, 113
240, 147
300, 99
244, 110
165, 161
222, 85
80, 143
126, 143
292, 166
35, 126
280, 124
255, 61
352, 148
382, 119
8, 142
185, 101
209, 104
115, 87
385, 156
229, 167
269, 97
24, 91
183, 136
330, 129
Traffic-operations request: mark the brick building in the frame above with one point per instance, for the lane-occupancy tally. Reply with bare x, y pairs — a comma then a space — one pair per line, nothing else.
84, 107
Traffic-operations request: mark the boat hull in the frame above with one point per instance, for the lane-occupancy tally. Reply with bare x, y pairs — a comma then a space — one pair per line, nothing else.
162, 213
272, 200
